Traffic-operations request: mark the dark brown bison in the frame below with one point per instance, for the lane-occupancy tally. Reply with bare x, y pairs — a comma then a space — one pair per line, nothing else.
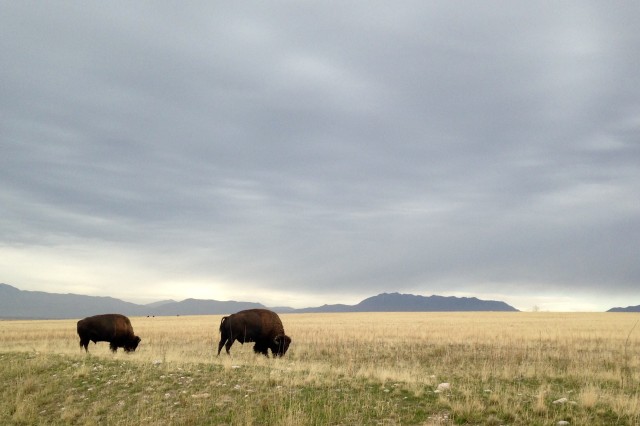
113, 328
254, 325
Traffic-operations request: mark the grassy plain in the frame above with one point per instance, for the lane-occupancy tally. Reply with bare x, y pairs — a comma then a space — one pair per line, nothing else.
341, 369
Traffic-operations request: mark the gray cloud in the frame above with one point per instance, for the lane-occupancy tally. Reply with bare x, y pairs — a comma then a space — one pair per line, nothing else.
314, 153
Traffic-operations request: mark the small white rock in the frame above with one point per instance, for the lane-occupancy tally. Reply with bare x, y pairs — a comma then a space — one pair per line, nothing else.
560, 401
562, 423
444, 386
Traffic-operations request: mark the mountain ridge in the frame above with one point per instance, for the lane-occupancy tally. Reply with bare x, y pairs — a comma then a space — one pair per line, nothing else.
24, 304
627, 309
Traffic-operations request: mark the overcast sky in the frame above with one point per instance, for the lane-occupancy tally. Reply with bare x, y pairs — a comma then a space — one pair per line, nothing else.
300, 153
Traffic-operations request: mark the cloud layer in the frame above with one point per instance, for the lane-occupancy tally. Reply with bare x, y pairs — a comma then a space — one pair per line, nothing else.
308, 153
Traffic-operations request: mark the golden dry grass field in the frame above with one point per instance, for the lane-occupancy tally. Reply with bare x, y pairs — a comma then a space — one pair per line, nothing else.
347, 369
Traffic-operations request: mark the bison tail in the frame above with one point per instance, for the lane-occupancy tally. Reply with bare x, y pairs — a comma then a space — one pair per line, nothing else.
222, 321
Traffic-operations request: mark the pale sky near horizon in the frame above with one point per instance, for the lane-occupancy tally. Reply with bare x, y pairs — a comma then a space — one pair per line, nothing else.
302, 153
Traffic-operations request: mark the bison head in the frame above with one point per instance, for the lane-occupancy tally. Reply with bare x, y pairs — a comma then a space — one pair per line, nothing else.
132, 344
282, 343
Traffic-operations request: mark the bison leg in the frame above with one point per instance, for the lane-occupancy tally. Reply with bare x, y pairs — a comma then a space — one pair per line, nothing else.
84, 343
228, 345
260, 349
113, 346
221, 344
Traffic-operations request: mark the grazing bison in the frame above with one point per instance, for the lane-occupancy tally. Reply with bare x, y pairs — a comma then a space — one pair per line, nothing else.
254, 325
113, 328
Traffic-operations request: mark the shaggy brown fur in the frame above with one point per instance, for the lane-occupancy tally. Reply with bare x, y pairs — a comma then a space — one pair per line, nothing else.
113, 328
254, 325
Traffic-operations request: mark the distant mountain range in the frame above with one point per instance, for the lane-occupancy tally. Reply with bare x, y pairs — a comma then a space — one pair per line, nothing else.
396, 302
627, 309
16, 303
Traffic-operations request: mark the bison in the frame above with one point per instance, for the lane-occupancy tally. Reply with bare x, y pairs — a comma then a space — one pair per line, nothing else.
113, 328
254, 325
